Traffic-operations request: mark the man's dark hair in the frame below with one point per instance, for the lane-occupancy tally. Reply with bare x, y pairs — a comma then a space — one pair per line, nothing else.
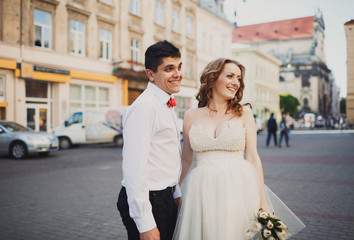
272, 114
156, 52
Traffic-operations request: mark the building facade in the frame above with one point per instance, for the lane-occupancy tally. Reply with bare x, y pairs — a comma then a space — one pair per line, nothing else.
349, 33
55, 57
143, 23
214, 33
299, 45
60, 55
261, 81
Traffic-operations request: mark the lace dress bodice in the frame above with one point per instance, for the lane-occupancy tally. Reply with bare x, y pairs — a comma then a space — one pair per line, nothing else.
231, 138
229, 144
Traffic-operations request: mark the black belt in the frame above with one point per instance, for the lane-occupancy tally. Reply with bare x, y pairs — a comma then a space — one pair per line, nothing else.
168, 190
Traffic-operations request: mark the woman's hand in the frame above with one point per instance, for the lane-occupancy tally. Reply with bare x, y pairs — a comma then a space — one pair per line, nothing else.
265, 208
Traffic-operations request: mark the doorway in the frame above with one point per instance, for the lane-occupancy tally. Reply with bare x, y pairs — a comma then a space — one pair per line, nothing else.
37, 116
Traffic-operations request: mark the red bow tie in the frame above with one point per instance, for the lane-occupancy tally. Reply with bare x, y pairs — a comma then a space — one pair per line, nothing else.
171, 103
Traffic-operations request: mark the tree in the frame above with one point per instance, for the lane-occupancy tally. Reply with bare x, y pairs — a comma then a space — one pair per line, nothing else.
289, 103
343, 105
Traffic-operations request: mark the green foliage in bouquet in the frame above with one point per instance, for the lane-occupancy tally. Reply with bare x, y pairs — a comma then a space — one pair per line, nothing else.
271, 228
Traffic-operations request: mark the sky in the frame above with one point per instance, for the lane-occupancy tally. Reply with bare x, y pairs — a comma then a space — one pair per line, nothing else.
335, 13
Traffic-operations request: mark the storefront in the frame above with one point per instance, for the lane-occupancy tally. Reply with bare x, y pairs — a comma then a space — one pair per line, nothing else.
42, 97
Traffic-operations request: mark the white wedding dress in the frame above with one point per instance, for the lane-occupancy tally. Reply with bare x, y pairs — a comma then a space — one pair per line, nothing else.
221, 196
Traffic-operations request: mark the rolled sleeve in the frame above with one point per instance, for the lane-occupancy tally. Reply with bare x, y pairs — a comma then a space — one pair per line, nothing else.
137, 133
177, 192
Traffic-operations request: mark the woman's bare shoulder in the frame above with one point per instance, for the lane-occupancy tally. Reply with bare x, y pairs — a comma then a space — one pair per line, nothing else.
247, 111
193, 114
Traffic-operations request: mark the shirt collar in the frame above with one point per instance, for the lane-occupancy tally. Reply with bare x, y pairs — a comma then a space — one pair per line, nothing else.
161, 94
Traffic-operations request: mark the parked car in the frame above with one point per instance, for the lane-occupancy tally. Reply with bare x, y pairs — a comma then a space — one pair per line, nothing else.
92, 125
19, 141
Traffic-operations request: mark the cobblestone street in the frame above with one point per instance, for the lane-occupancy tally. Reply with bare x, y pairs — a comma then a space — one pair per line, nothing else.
72, 194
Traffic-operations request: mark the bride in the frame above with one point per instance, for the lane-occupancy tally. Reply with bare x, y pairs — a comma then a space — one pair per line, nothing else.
225, 190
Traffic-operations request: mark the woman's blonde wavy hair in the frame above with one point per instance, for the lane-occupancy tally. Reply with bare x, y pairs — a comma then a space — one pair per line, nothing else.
209, 76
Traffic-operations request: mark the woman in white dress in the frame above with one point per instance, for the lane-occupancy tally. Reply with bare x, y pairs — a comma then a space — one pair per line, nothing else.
225, 190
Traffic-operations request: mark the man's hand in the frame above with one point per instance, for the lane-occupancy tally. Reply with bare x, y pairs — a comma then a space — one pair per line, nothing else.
178, 201
153, 234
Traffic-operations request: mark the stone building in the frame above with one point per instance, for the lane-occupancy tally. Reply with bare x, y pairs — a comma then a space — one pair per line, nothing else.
349, 33
60, 55
261, 81
56, 56
299, 45
143, 23
214, 33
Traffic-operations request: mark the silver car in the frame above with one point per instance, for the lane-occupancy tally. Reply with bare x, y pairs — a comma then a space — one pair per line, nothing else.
19, 141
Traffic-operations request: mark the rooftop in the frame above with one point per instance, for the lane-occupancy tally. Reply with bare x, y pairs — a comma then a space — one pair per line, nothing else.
278, 30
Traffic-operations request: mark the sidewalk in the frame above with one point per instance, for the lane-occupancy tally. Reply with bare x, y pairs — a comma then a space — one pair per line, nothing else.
321, 131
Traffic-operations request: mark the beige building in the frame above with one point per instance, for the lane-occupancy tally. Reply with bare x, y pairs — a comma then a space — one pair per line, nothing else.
349, 33
299, 45
143, 23
261, 81
214, 33
55, 57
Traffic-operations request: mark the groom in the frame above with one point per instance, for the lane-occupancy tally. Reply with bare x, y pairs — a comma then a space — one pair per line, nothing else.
148, 199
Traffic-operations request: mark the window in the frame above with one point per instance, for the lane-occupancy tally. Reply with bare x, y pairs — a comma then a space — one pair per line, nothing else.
2, 88
159, 19
183, 104
189, 27
135, 7
211, 44
107, 1
105, 44
82, 96
135, 50
77, 38
175, 21
42, 29
103, 97
75, 118
36, 89
90, 97
204, 41
190, 67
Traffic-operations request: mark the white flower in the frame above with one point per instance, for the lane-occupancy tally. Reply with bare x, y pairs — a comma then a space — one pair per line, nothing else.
270, 225
281, 225
267, 233
281, 235
256, 226
263, 215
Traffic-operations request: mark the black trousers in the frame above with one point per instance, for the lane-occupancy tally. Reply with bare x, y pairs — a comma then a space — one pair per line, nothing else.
270, 134
164, 211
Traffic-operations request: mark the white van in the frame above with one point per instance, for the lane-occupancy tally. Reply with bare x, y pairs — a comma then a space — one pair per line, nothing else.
85, 126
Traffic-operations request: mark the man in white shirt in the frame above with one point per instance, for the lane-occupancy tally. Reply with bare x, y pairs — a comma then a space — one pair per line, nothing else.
148, 199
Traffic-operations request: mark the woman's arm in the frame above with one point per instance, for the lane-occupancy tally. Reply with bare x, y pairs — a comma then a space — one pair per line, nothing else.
252, 153
187, 152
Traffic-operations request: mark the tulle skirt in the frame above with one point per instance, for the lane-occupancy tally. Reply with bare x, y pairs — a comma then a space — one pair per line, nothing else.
220, 199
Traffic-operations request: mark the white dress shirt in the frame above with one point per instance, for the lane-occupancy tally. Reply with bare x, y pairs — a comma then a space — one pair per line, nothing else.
151, 153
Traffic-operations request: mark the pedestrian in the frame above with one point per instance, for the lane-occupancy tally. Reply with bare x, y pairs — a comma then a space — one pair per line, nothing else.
149, 198
225, 189
284, 132
272, 127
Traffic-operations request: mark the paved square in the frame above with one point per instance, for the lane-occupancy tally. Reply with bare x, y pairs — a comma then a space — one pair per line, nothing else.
72, 194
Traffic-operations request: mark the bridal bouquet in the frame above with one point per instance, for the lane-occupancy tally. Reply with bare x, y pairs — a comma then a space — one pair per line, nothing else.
269, 227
